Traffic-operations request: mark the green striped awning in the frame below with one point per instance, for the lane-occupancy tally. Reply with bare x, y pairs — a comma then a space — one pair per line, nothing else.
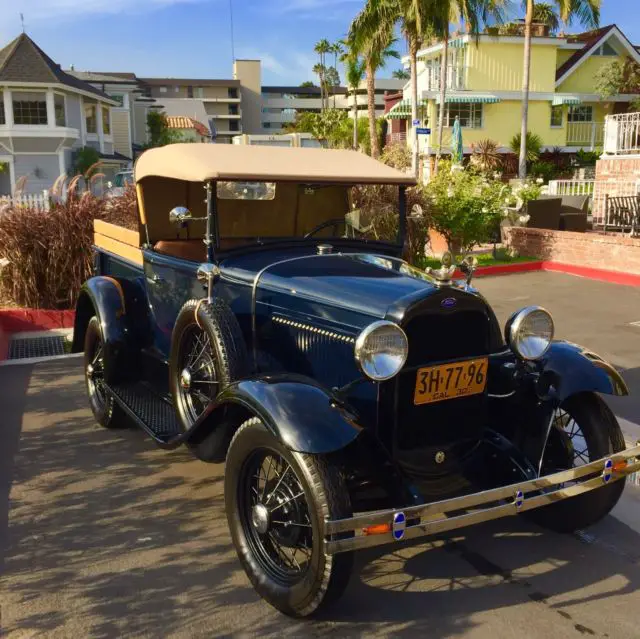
558, 100
473, 97
458, 43
402, 109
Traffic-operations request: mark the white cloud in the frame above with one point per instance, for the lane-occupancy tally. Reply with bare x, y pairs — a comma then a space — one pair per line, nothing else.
291, 66
36, 10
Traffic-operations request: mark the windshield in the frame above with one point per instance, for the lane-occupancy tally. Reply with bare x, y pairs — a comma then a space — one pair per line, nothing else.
261, 212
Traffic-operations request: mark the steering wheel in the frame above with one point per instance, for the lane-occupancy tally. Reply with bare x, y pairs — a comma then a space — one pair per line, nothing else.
333, 223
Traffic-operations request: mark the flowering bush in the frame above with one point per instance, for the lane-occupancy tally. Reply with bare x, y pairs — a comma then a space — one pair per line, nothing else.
466, 207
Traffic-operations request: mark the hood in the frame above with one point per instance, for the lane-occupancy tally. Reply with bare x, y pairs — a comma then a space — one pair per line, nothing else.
362, 282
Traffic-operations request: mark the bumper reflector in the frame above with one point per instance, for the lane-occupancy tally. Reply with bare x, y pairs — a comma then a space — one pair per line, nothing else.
378, 529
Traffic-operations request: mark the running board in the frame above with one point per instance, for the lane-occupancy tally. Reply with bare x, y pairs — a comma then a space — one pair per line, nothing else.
154, 414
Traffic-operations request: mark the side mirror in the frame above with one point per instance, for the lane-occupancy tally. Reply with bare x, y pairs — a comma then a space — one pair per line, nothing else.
179, 215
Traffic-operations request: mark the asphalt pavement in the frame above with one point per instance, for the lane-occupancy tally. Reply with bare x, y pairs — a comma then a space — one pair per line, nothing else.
103, 535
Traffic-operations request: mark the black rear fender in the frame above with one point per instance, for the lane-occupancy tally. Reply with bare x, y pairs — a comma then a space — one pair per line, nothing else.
104, 297
302, 414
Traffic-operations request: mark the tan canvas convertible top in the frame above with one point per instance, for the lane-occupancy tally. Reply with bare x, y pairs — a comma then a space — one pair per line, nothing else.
203, 162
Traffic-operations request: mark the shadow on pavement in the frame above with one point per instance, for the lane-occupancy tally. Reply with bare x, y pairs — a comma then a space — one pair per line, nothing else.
110, 536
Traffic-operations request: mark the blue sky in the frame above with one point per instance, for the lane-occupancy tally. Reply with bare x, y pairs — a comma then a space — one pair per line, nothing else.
191, 38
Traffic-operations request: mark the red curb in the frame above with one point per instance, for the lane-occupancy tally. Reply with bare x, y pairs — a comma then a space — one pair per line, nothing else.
503, 269
603, 275
4, 344
17, 320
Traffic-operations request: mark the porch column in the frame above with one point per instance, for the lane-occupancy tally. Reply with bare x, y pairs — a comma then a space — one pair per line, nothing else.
51, 110
8, 107
99, 123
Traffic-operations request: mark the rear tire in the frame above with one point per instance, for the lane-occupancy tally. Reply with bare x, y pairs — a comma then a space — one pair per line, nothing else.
307, 489
602, 437
103, 406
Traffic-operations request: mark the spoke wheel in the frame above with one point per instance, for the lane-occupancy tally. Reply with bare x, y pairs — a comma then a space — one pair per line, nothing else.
583, 430
275, 516
198, 379
95, 375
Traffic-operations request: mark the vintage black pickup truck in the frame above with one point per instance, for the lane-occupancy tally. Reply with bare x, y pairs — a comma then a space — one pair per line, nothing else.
259, 318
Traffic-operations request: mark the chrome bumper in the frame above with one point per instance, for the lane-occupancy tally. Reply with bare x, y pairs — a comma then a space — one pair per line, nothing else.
441, 516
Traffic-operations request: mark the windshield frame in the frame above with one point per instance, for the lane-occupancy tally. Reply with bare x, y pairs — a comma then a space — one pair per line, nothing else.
212, 233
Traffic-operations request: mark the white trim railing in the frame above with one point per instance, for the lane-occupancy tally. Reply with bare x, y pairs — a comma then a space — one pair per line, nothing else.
36, 201
622, 134
571, 187
585, 134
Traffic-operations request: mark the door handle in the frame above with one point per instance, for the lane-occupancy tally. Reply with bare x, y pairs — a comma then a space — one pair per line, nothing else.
155, 279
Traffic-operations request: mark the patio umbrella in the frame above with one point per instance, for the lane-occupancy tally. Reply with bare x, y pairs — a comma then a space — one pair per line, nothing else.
456, 142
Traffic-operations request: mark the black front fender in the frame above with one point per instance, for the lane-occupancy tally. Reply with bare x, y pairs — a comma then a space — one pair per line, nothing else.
103, 297
574, 369
298, 411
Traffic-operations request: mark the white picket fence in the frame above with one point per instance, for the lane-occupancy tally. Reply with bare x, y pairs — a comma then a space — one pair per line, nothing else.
571, 187
39, 201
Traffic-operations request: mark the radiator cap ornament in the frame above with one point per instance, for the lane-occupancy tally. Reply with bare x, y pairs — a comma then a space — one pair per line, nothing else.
443, 275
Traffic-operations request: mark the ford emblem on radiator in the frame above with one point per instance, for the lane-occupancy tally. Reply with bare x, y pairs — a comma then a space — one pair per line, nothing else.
448, 302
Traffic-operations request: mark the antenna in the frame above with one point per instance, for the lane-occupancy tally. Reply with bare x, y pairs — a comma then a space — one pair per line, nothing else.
22, 21
233, 52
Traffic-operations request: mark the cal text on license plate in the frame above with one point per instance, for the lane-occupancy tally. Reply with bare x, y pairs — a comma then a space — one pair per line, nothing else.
447, 381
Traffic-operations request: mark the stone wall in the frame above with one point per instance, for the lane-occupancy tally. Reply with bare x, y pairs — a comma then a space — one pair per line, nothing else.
609, 252
615, 176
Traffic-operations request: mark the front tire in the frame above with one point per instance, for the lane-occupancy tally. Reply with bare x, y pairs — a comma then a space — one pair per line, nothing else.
276, 501
584, 430
103, 406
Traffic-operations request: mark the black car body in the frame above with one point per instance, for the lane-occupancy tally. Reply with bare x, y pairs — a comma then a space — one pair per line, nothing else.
218, 324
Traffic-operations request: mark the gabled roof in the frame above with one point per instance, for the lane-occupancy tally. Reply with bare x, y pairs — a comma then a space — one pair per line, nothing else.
22, 60
181, 122
106, 78
591, 40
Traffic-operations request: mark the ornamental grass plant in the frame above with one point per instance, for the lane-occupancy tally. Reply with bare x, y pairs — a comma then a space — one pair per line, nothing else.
48, 253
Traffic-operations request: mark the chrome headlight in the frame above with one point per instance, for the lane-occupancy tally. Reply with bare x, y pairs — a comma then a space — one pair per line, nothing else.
381, 350
529, 332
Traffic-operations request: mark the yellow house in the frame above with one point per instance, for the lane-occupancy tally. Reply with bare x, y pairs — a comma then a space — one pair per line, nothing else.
484, 89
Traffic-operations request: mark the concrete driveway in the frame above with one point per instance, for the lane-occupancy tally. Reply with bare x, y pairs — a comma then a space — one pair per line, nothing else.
103, 535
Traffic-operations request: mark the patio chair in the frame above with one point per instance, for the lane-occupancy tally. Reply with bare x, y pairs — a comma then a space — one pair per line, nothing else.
622, 213
573, 213
544, 213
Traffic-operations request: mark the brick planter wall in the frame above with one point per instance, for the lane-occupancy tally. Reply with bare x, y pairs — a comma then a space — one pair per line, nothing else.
614, 176
608, 252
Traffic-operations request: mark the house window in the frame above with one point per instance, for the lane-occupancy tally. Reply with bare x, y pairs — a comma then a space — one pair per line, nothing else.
91, 121
118, 98
106, 121
233, 93
177, 89
163, 89
3, 119
233, 125
233, 109
606, 49
556, 116
580, 114
29, 108
470, 114
198, 92
58, 107
189, 91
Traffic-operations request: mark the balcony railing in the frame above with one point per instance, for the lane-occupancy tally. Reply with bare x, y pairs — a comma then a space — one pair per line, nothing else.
455, 78
585, 134
397, 137
622, 134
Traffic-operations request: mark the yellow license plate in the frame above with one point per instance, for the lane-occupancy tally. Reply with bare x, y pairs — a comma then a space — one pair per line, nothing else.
447, 381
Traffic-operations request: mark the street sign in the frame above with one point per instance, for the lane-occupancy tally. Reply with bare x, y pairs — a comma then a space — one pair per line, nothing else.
416, 123
423, 131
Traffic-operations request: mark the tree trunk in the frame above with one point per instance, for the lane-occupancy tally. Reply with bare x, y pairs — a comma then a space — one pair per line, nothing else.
371, 108
443, 94
522, 165
413, 63
355, 118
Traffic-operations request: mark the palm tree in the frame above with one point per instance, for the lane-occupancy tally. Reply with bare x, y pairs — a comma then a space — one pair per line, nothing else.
585, 11
373, 40
319, 70
401, 74
545, 13
322, 48
338, 50
354, 72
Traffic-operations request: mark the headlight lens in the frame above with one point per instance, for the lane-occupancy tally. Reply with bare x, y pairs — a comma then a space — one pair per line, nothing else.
381, 350
529, 332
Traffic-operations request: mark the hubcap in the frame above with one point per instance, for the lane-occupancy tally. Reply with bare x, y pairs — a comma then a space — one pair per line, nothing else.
185, 379
260, 518
90, 370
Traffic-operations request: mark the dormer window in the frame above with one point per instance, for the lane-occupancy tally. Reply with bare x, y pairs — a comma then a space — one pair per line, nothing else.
606, 50
106, 121
29, 107
90, 117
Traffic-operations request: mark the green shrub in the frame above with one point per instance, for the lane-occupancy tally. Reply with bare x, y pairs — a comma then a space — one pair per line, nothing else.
87, 160
588, 158
533, 145
465, 207
545, 170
